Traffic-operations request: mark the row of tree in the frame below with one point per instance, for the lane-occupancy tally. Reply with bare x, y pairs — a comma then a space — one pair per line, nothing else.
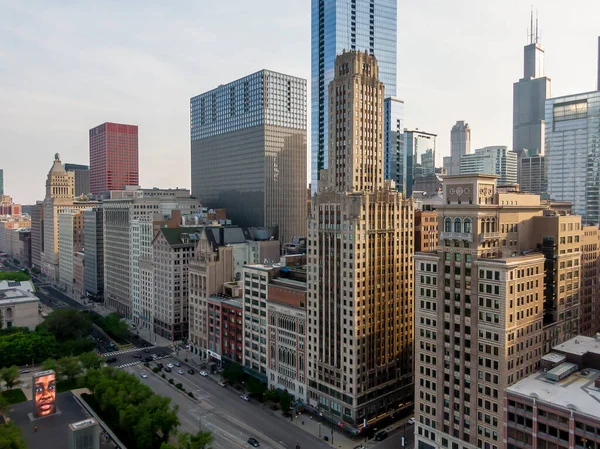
63, 333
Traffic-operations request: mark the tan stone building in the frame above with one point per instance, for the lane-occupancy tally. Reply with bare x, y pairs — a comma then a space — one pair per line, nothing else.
70, 242
508, 270
360, 269
426, 230
590, 284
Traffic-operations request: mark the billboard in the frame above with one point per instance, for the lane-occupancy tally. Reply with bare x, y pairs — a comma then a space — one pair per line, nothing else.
44, 393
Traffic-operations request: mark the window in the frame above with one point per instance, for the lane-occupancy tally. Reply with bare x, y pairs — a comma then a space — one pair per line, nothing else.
457, 225
447, 224
468, 226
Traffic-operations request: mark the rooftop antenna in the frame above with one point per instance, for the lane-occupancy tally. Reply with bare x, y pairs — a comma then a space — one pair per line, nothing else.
531, 25
536, 26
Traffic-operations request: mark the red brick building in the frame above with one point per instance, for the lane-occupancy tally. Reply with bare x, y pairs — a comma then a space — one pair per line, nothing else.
113, 157
225, 329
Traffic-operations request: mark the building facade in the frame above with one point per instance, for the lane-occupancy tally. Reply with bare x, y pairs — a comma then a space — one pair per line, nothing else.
119, 212
1, 181
573, 152
360, 274
419, 158
590, 281
426, 230
70, 241
394, 140
82, 178
286, 333
494, 160
225, 329
336, 25
253, 128
19, 308
529, 95
93, 242
113, 157
37, 234
531, 173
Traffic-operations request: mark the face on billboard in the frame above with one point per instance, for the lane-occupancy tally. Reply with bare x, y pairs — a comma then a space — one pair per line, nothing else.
44, 393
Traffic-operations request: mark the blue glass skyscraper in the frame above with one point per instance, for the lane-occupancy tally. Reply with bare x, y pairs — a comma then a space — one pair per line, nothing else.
338, 25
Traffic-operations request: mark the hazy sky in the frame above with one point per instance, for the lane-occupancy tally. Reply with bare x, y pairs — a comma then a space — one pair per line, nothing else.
66, 66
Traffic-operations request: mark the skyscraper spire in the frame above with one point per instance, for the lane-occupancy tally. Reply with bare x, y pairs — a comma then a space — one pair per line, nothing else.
531, 25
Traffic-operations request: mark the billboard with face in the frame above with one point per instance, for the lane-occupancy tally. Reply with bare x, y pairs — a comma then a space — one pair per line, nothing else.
44, 393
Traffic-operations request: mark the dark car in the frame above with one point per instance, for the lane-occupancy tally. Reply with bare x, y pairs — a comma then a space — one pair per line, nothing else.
137, 356
380, 436
148, 359
111, 360
160, 366
177, 363
191, 371
253, 442
167, 369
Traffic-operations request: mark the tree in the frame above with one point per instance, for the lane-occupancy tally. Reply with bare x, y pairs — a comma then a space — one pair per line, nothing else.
113, 325
256, 387
10, 376
67, 324
233, 373
91, 360
285, 401
10, 437
49, 364
3, 404
201, 440
68, 367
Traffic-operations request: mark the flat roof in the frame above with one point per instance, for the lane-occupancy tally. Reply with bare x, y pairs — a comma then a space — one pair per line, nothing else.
554, 357
579, 346
562, 368
575, 392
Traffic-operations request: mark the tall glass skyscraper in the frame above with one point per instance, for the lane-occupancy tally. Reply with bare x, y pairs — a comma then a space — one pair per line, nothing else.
393, 140
338, 25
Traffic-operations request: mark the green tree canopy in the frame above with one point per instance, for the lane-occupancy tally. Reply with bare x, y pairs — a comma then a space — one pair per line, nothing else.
10, 376
91, 360
255, 387
234, 373
67, 324
25, 348
285, 401
113, 325
68, 367
200, 440
11, 437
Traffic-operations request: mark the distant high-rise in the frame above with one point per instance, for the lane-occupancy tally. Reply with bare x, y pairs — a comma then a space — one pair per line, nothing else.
598, 83
529, 94
494, 160
338, 25
394, 140
418, 160
113, 157
573, 152
248, 145
82, 178
1, 182
360, 270
460, 144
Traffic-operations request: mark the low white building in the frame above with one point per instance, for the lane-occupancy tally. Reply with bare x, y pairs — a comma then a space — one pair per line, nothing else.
19, 307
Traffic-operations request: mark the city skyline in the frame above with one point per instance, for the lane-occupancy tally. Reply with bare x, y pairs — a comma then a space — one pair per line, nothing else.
61, 104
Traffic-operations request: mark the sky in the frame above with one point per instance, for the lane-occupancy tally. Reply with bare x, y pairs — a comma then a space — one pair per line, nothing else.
67, 66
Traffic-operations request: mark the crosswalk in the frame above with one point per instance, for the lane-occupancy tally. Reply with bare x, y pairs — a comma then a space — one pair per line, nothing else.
124, 351
135, 362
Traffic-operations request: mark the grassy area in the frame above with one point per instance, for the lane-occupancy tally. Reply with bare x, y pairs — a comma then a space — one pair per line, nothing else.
14, 276
14, 396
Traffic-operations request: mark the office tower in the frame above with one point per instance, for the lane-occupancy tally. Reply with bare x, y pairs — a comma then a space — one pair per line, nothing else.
531, 172
590, 276
507, 268
37, 234
82, 178
460, 144
60, 197
394, 140
338, 25
494, 160
419, 158
93, 242
557, 406
120, 211
573, 152
598, 83
70, 241
249, 151
113, 157
1, 181
360, 274
529, 95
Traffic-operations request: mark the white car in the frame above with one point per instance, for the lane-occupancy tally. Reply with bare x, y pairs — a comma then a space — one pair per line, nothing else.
203, 373
179, 371
143, 375
170, 365
245, 398
411, 421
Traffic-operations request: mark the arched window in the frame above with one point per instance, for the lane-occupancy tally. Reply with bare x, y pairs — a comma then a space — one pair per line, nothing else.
457, 225
8, 314
448, 224
467, 226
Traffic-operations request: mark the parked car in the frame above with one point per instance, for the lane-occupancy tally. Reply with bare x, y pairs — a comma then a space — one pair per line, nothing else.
177, 363
167, 369
411, 421
245, 397
143, 375
191, 371
180, 371
253, 442
380, 436
203, 373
